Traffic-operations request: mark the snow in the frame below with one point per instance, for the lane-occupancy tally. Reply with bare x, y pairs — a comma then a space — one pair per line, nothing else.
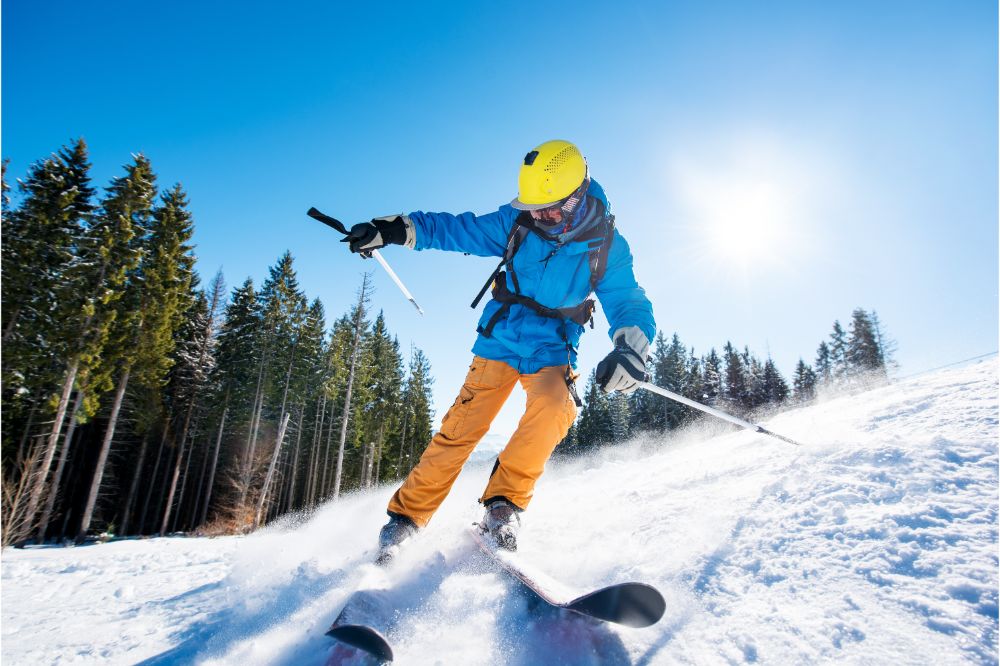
876, 542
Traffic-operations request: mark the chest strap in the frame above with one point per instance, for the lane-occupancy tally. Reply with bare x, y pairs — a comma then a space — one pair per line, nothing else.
582, 314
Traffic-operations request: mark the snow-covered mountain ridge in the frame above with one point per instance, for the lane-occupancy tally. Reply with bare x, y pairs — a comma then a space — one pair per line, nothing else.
876, 542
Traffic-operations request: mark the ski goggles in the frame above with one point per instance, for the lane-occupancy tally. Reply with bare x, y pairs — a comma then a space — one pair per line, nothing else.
562, 212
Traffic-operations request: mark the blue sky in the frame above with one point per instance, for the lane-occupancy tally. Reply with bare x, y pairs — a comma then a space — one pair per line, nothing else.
773, 165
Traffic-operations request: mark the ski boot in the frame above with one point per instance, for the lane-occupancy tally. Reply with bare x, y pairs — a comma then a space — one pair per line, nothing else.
501, 522
396, 531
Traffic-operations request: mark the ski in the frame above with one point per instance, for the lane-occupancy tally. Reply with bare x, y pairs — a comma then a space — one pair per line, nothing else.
371, 611
362, 624
630, 604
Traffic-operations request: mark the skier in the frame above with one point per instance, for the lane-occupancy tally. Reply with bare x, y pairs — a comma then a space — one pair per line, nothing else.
558, 244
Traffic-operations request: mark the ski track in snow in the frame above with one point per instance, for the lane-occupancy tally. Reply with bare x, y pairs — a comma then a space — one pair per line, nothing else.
874, 543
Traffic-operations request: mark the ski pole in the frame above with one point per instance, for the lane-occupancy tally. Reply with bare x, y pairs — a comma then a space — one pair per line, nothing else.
653, 388
395, 278
337, 225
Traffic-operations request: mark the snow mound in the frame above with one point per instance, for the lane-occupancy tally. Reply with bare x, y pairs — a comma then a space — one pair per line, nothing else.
876, 542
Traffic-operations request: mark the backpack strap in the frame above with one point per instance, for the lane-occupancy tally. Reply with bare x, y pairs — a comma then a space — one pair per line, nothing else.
514, 239
599, 255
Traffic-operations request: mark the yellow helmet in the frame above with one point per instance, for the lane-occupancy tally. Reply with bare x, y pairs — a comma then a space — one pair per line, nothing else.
550, 173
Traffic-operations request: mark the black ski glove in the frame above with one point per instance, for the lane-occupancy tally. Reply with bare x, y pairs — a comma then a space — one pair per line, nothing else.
625, 366
381, 231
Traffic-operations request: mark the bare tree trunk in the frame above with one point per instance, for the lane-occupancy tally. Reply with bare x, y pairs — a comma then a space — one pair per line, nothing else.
325, 488
251, 447
22, 453
50, 500
280, 488
365, 453
156, 472
295, 460
367, 465
42, 473
255, 421
173, 488
215, 463
184, 479
161, 493
402, 441
284, 403
360, 314
134, 486
177, 468
314, 450
409, 457
378, 454
102, 458
199, 491
338, 476
270, 469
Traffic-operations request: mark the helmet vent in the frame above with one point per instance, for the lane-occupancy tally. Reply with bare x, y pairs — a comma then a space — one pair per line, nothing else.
561, 158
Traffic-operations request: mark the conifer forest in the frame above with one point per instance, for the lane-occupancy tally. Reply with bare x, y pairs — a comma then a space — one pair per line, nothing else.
137, 400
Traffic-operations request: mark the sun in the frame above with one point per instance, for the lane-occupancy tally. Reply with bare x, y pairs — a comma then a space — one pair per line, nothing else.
746, 221
740, 207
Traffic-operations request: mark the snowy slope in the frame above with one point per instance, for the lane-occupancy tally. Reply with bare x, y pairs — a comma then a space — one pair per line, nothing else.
875, 543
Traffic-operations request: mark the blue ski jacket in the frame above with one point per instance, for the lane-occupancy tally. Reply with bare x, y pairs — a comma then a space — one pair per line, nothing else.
555, 276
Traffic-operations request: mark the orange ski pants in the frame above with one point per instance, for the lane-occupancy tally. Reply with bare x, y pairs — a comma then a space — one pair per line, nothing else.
549, 412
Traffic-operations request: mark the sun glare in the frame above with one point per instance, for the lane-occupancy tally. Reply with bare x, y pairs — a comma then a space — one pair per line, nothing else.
745, 221
741, 207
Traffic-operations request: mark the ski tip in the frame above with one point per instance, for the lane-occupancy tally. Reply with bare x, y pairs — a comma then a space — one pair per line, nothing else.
363, 638
635, 605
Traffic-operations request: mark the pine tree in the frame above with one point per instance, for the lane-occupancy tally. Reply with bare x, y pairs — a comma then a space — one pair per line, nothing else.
570, 442
238, 359
40, 238
4, 188
694, 387
153, 305
238, 354
166, 279
647, 409
736, 389
804, 383
618, 414
594, 426
40, 242
309, 377
838, 351
886, 345
863, 353
360, 326
775, 386
340, 352
194, 361
384, 393
282, 310
711, 378
121, 338
108, 257
671, 372
419, 399
824, 364
757, 391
